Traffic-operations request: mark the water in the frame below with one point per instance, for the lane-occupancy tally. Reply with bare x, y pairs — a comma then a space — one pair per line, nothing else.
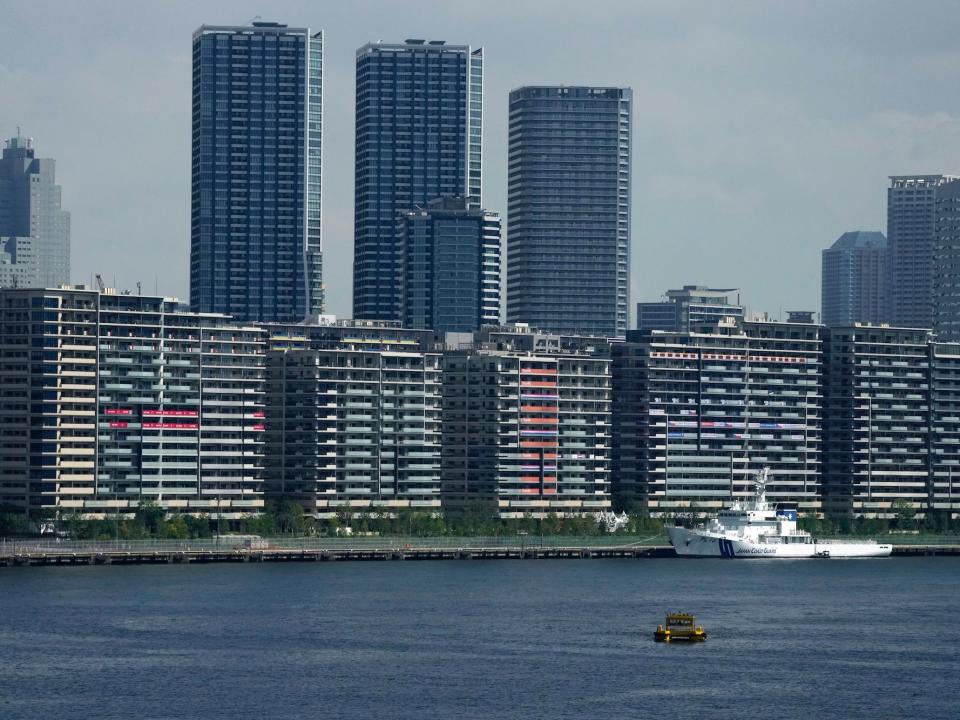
472, 639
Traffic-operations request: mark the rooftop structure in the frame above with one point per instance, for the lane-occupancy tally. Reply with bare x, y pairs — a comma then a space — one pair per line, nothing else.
692, 306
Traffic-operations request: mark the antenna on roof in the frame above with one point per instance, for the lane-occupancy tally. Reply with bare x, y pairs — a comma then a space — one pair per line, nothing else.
254, 19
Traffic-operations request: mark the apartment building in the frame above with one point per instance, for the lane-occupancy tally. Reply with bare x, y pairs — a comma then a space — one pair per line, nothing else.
526, 433
353, 417
110, 400
697, 414
878, 415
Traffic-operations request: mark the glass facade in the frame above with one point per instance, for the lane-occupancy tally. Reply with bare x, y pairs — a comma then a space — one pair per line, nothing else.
34, 230
657, 316
568, 224
854, 277
449, 266
419, 110
256, 203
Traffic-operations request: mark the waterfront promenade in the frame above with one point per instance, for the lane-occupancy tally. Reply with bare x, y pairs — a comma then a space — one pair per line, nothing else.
241, 549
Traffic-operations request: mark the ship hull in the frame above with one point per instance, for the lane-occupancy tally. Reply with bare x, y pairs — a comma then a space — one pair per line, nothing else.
692, 543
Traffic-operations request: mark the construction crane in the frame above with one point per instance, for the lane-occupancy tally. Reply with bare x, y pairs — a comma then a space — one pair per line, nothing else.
100, 283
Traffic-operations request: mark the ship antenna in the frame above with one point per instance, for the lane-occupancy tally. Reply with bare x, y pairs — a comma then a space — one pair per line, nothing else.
760, 481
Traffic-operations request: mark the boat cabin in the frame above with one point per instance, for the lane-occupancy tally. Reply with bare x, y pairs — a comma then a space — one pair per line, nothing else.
679, 626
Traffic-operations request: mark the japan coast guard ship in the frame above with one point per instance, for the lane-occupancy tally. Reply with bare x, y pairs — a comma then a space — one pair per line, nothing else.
754, 529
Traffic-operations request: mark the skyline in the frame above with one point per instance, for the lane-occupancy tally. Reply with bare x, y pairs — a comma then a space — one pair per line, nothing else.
765, 135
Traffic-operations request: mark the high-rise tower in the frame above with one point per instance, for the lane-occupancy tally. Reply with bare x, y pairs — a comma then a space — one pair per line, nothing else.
568, 209
449, 258
854, 280
946, 264
911, 227
419, 110
257, 129
34, 231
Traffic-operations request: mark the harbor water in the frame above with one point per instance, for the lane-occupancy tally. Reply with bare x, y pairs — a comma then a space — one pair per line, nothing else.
482, 639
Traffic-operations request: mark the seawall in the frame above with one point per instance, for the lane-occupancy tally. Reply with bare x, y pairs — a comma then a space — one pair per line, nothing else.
16, 555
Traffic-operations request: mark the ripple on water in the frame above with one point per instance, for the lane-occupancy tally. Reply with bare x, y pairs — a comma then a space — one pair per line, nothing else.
550, 639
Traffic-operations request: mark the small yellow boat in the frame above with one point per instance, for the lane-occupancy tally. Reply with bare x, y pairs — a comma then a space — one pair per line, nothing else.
680, 627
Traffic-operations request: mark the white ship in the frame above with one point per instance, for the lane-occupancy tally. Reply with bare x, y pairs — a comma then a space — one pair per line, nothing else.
754, 529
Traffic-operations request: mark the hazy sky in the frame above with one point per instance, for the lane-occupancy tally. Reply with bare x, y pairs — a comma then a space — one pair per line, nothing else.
762, 131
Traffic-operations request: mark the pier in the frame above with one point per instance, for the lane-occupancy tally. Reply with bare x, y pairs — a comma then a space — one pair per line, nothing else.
48, 553
241, 549
140, 557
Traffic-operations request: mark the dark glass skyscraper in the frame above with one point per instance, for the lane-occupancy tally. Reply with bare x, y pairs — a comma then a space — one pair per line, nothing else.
255, 221
568, 205
419, 111
854, 280
449, 258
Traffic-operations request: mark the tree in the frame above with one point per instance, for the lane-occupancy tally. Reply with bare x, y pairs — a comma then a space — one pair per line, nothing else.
643, 523
332, 526
551, 524
13, 521
906, 514
345, 517
844, 524
199, 527
151, 515
176, 528
288, 517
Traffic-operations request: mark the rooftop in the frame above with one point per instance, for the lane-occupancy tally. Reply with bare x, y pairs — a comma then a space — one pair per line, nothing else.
860, 239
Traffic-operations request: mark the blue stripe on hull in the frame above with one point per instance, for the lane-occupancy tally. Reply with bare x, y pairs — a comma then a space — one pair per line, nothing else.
726, 548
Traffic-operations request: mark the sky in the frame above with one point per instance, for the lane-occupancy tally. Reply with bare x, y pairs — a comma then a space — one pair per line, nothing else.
761, 131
